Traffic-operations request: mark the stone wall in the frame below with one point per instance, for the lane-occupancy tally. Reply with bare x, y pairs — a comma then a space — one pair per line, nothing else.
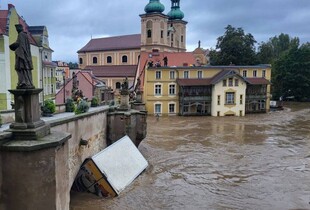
39, 174
7, 116
49, 173
132, 123
89, 126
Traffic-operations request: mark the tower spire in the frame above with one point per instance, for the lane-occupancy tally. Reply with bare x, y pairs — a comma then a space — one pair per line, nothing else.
175, 12
154, 6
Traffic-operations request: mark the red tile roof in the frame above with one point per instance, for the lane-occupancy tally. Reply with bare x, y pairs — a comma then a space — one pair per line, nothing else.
174, 58
257, 81
113, 71
3, 20
113, 43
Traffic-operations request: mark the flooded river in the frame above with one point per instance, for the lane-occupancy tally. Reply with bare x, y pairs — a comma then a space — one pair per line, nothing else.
260, 161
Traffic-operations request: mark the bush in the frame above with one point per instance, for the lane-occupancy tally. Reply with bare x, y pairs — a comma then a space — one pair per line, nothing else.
70, 106
82, 107
94, 102
48, 107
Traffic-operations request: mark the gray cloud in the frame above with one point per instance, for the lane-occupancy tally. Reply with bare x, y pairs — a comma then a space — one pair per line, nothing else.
72, 23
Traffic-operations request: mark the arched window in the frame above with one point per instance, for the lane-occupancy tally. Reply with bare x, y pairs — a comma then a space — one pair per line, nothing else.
124, 58
109, 59
149, 33
94, 60
118, 85
81, 60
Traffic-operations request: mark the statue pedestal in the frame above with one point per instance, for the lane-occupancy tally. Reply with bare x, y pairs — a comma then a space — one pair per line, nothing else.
139, 97
28, 125
124, 100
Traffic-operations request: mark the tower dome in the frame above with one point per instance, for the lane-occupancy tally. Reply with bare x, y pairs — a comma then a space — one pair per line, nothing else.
154, 6
175, 12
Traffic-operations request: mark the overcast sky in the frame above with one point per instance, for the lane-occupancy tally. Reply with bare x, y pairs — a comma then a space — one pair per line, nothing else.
72, 23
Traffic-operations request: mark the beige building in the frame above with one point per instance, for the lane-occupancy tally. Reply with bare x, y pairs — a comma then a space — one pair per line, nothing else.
112, 59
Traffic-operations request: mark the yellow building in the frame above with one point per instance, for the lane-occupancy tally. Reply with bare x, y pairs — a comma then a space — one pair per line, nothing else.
183, 88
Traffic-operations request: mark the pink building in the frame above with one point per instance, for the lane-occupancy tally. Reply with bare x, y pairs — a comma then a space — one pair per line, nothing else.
86, 82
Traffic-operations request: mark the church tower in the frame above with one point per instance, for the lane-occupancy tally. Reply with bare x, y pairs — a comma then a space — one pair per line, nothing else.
176, 27
160, 32
153, 27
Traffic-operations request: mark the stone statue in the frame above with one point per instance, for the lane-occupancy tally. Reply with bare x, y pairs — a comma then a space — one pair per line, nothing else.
23, 60
165, 61
137, 88
125, 84
74, 82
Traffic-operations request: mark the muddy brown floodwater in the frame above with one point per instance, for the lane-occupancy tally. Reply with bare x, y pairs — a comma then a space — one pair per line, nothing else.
260, 161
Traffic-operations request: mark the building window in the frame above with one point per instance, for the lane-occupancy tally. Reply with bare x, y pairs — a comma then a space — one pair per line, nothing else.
199, 74
149, 33
218, 100
224, 83
81, 60
218, 113
172, 74
230, 98
172, 89
158, 74
157, 108
244, 73
171, 108
124, 59
182, 38
185, 74
109, 59
230, 82
254, 73
236, 82
94, 60
264, 73
118, 85
241, 99
161, 34
157, 90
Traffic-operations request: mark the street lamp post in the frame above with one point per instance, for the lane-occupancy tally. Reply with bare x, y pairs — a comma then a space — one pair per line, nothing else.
64, 84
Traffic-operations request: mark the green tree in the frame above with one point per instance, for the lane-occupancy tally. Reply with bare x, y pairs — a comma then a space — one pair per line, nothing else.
73, 65
292, 73
269, 51
234, 47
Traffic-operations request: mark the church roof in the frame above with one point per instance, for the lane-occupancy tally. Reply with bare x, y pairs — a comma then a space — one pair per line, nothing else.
113, 71
113, 43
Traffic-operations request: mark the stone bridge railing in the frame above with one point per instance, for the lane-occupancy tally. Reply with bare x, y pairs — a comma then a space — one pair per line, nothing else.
49, 172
